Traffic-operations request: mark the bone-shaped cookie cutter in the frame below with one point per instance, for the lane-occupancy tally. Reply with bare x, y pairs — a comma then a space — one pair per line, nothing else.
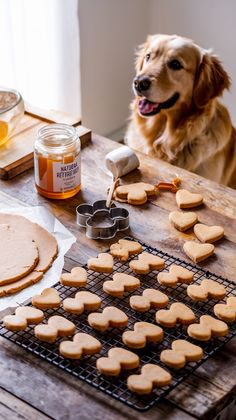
100, 221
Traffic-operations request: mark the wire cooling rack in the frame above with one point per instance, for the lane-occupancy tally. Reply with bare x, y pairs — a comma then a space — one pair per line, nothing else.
85, 369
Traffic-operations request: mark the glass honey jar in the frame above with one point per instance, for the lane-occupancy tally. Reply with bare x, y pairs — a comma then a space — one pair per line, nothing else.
57, 162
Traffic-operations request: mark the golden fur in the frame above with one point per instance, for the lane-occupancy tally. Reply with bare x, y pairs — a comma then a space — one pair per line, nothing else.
196, 133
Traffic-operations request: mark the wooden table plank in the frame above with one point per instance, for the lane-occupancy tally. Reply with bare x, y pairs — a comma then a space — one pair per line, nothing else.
203, 394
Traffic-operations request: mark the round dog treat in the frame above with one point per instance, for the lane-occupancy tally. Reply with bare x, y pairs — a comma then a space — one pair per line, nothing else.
150, 298
183, 220
124, 248
206, 290
102, 264
81, 345
143, 333
120, 284
14, 264
83, 301
208, 234
185, 199
109, 317
176, 274
151, 376
117, 359
182, 352
146, 262
48, 299
226, 311
178, 313
44, 241
207, 328
198, 252
21, 284
76, 278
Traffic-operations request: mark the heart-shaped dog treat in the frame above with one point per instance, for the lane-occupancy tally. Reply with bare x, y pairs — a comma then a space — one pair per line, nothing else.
182, 352
117, 359
24, 316
208, 234
120, 284
81, 345
151, 298
146, 262
151, 376
124, 248
102, 264
48, 299
76, 278
226, 311
83, 301
183, 221
137, 193
179, 313
57, 326
186, 200
198, 252
208, 289
207, 328
177, 274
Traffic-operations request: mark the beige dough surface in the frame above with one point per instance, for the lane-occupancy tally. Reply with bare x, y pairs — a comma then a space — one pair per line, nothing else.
21, 284
45, 242
18, 254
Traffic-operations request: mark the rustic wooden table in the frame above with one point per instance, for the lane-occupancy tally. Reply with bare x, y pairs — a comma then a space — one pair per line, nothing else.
32, 389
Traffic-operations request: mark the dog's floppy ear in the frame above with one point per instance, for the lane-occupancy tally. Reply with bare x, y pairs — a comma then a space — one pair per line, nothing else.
140, 54
211, 80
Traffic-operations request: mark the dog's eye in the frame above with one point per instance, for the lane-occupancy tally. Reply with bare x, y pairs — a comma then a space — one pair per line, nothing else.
148, 57
175, 65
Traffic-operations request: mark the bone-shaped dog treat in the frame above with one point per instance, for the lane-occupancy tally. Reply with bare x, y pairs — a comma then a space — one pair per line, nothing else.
117, 359
207, 328
178, 313
183, 220
76, 278
176, 274
124, 248
182, 352
120, 284
151, 376
146, 262
143, 333
207, 289
110, 317
24, 316
226, 311
81, 345
151, 298
137, 193
185, 199
83, 301
48, 299
57, 326
102, 264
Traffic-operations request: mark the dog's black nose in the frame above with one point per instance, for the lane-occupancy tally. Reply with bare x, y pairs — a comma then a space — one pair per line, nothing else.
142, 83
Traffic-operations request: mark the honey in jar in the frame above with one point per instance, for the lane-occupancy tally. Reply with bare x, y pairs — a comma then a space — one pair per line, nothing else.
57, 163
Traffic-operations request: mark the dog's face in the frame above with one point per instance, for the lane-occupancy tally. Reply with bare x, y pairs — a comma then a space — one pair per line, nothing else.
173, 70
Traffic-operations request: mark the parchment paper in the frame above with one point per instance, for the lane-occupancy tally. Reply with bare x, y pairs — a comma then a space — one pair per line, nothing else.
65, 239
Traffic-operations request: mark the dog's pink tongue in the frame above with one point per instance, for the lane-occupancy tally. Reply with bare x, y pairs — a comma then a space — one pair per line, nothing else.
145, 106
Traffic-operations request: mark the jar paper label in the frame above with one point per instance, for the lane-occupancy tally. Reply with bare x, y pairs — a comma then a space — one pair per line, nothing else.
66, 176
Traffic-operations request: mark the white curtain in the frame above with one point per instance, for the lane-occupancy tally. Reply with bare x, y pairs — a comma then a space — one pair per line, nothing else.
39, 52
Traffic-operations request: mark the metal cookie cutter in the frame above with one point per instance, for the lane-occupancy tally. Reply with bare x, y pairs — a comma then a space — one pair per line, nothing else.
102, 222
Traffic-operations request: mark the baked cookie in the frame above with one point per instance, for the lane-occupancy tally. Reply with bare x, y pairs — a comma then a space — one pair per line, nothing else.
146, 262
208, 289
136, 194
124, 248
143, 333
151, 298
151, 376
81, 345
183, 220
198, 252
76, 278
185, 199
181, 352
57, 326
226, 311
176, 274
208, 328
120, 284
24, 316
117, 359
208, 234
109, 317
102, 264
179, 313
83, 301
48, 299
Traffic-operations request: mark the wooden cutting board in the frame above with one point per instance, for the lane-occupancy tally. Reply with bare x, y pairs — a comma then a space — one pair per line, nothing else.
16, 156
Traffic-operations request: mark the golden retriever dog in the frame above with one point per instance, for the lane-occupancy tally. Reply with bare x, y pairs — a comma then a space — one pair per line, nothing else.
176, 114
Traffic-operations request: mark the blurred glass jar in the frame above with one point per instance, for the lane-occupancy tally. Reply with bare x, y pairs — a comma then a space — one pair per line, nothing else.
11, 111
